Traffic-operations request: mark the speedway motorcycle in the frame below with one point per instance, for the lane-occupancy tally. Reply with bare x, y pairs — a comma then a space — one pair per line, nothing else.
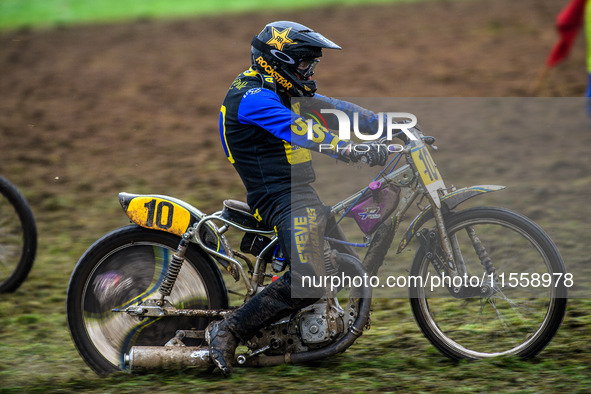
484, 281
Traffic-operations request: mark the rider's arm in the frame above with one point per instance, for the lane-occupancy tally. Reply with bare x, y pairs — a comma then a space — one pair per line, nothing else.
262, 107
369, 122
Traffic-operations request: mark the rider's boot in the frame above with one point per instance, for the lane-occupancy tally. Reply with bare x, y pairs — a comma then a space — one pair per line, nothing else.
271, 304
222, 345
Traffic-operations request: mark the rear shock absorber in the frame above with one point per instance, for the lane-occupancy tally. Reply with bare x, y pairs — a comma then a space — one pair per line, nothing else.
174, 268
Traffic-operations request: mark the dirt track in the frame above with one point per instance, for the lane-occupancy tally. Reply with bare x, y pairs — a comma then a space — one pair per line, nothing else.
104, 94
86, 112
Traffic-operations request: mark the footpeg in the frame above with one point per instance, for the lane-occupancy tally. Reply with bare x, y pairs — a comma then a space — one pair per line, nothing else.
241, 359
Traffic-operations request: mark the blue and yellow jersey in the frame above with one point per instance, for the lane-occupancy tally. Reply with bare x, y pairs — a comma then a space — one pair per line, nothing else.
267, 140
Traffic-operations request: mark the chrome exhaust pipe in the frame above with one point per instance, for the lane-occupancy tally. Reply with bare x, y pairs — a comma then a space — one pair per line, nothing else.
167, 357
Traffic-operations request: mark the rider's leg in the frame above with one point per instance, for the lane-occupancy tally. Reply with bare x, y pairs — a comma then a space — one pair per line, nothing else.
283, 296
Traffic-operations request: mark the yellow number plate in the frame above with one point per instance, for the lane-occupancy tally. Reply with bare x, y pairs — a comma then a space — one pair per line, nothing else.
425, 165
159, 214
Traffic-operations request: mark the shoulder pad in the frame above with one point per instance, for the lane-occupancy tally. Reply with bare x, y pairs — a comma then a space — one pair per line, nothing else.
248, 77
250, 72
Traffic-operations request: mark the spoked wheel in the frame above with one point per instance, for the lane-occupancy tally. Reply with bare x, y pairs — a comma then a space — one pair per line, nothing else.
526, 277
124, 268
18, 237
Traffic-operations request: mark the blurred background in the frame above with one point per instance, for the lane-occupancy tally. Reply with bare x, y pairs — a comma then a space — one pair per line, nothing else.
108, 96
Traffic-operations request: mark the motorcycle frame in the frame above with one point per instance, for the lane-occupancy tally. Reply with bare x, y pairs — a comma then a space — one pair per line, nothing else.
413, 183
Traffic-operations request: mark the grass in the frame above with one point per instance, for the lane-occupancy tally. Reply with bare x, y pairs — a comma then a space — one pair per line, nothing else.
37, 13
392, 356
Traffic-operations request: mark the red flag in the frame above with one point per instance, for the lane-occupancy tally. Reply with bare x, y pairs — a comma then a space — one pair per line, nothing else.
568, 23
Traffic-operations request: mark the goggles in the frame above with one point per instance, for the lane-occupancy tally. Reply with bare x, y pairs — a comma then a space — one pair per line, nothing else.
306, 67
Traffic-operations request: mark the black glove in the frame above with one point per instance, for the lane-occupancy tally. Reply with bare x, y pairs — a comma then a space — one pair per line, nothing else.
371, 153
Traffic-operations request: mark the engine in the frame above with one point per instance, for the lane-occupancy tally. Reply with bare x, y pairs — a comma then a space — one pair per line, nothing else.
313, 327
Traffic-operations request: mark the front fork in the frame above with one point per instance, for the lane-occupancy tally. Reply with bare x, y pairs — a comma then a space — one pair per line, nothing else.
444, 253
451, 267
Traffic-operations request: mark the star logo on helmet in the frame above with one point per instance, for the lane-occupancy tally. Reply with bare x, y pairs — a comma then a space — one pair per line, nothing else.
280, 38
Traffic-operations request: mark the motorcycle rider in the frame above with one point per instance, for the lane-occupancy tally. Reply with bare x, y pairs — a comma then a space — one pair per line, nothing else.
265, 138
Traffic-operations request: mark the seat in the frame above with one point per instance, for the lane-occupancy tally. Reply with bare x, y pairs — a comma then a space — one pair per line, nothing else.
239, 212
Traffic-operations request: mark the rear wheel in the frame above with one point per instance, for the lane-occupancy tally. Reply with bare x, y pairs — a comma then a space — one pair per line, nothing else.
526, 277
18, 237
123, 268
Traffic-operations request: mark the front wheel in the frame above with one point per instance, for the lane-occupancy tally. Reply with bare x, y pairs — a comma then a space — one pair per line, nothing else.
122, 269
512, 257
